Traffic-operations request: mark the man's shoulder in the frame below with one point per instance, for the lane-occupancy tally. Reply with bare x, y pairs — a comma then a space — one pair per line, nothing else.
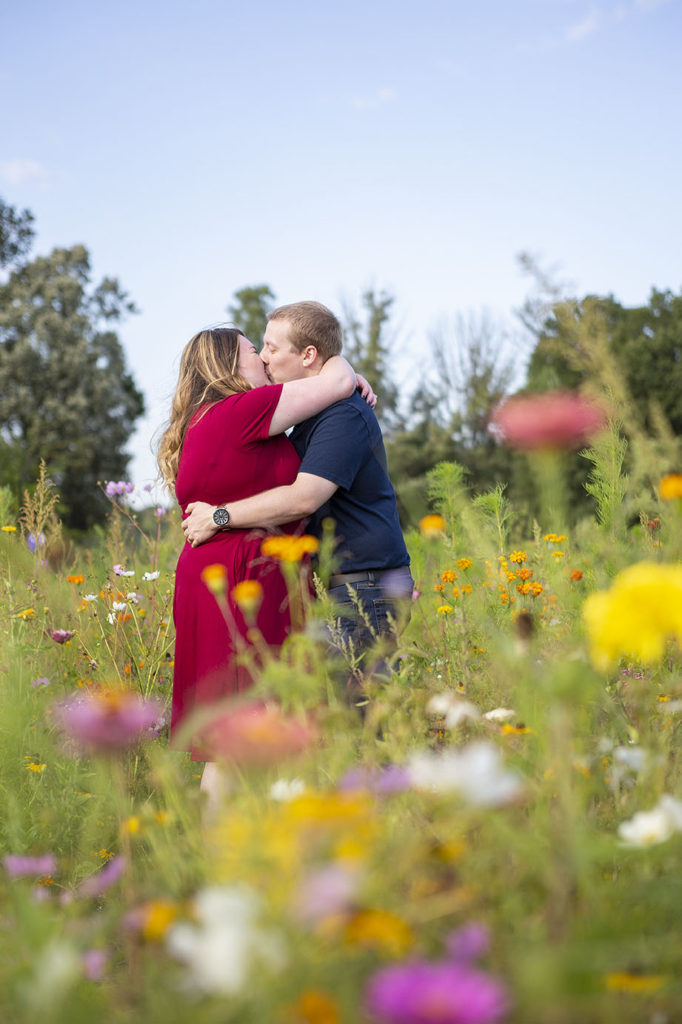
350, 408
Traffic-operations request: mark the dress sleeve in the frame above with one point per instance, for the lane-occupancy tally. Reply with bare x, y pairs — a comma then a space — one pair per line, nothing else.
247, 415
337, 446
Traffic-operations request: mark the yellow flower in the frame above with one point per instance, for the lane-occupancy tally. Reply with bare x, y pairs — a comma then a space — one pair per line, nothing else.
313, 1007
518, 556
28, 613
248, 596
432, 526
525, 574
464, 563
444, 609
636, 616
289, 549
131, 825
449, 576
557, 554
670, 486
215, 578
157, 917
466, 588
8, 529
33, 767
509, 575
380, 930
624, 981
75, 579
104, 854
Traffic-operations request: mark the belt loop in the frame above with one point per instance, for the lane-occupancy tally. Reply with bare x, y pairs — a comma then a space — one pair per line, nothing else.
370, 576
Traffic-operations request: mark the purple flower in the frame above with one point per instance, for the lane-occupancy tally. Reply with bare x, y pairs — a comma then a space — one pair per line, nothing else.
390, 778
435, 993
468, 943
160, 512
106, 721
147, 487
40, 681
61, 636
118, 487
102, 880
35, 541
326, 892
17, 866
93, 962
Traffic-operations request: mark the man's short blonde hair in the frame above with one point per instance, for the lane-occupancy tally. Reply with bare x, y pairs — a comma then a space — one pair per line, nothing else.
311, 324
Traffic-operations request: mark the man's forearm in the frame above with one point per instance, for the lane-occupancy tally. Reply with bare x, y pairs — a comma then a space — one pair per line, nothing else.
271, 508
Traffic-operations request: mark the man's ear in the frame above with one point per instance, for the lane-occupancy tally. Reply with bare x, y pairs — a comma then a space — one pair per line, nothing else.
309, 355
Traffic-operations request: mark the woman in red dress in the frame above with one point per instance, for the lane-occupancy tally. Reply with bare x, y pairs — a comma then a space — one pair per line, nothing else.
226, 441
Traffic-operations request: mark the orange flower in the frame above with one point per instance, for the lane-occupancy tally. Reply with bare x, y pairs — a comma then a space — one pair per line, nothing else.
288, 548
215, 578
314, 1007
432, 526
380, 930
464, 563
518, 556
248, 596
525, 574
670, 486
576, 574
75, 579
449, 576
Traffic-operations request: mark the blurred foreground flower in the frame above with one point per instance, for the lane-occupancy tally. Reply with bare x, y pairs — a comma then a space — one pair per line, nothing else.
648, 828
18, 866
670, 486
435, 993
288, 548
215, 578
227, 944
476, 771
248, 596
559, 419
106, 721
636, 616
102, 880
256, 734
432, 526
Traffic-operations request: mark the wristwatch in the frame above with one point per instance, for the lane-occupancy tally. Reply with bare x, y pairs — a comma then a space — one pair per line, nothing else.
221, 517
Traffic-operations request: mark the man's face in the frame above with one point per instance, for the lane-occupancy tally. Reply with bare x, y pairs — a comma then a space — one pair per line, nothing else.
282, 361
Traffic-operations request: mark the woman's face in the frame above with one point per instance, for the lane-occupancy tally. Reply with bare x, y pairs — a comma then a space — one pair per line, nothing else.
251, 366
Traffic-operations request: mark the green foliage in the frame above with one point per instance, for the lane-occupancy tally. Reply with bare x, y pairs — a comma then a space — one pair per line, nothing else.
368, 349
497, 511
65, 394
16, 234
606, 482
249, 311
446, 492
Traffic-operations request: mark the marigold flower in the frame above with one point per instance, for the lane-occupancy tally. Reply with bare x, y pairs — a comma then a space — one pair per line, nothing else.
432, 525
576, 574
559, 419
77, 578
509, 575
466, 588
444, 609
525, 574
557, 554
439, 588
449, 576
464, 563
670, 486
315, 1007
518, 556
642, 609
215, 578
381, 930
248, 596
288, 548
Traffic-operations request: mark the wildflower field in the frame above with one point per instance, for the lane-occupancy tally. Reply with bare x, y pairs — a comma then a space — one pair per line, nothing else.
496, 837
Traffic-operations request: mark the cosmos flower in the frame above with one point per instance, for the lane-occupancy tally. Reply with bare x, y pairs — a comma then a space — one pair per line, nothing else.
475, 771
102, 880
149, 576
648, 828
106, 721
18, 866
559, 419
419, 992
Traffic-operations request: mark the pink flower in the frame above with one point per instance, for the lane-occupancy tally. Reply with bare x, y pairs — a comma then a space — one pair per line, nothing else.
435, 993
18, 866
468, 943
61, 636
256, 734
106, 721
93, 964
327, 892
556, 419
102, 880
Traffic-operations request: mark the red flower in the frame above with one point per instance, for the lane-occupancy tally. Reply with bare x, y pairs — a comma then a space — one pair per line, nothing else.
556, 419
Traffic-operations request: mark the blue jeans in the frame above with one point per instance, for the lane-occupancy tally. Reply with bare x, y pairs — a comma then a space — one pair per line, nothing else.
368, 616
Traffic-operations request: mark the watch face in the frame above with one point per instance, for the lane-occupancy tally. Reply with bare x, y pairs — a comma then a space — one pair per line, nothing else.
221, 517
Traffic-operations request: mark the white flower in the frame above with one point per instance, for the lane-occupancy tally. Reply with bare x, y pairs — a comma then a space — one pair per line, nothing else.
111, 618
151, 575
119, 606
670, 707
287, 789
90, 597
440, 704
226, 944
459, 711
647, 828
133, 597
476, 772
500, 714
634, 758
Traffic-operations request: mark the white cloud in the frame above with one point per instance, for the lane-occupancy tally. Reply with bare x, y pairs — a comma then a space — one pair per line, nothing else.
24, 172
385, 95
583, 28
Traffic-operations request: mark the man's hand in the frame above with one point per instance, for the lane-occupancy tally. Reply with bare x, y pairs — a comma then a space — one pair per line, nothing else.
365, 389
199, 526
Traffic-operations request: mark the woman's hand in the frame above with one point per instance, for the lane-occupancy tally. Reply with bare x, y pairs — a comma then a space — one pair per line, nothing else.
365, 389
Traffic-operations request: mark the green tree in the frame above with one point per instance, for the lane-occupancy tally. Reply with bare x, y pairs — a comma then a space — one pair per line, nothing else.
367, 345
249, 310
65, 394
16, 234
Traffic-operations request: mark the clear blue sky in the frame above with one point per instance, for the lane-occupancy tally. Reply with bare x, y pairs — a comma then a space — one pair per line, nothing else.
320, 147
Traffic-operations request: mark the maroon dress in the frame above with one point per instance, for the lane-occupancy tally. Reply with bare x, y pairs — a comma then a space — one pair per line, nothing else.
226, 455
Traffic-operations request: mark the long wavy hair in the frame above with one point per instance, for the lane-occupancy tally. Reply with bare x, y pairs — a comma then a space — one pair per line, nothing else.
209, 372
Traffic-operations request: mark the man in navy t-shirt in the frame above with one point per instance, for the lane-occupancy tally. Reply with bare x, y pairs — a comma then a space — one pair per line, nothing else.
343, 477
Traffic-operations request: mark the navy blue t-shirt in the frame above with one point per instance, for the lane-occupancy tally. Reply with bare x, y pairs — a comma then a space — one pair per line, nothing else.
344, 444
